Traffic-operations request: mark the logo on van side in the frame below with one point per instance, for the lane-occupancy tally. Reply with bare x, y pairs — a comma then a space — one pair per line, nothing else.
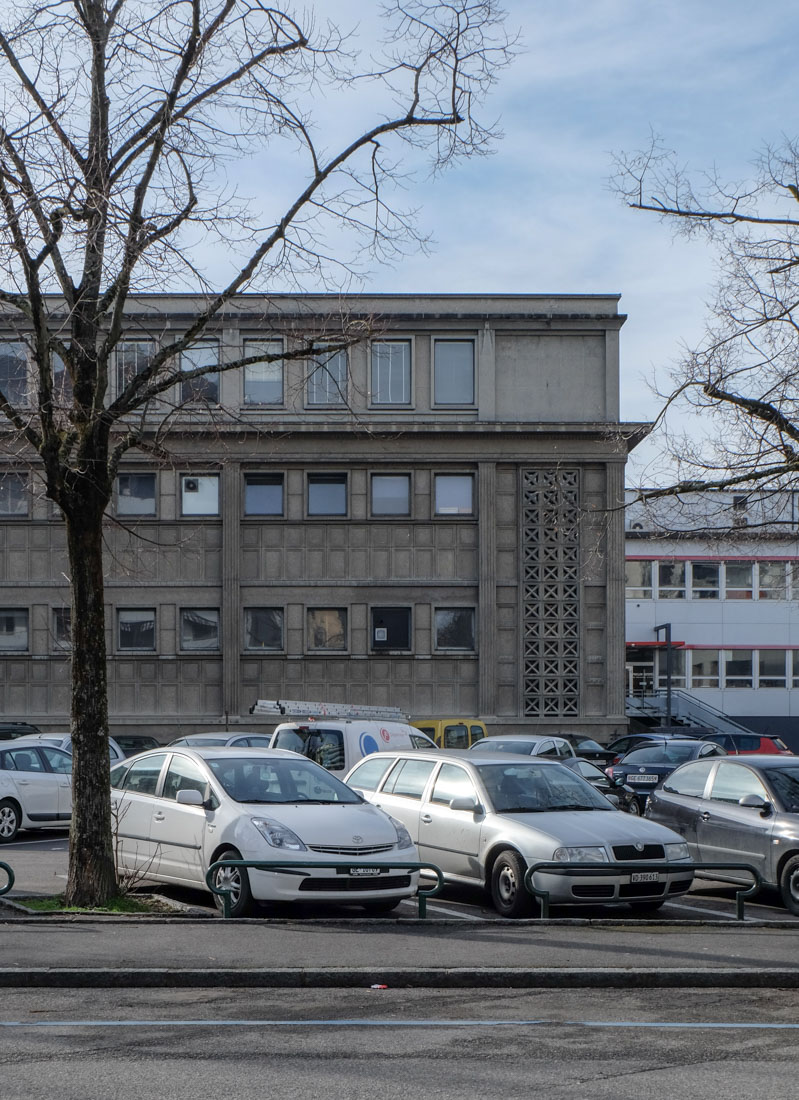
368, 744
385, 734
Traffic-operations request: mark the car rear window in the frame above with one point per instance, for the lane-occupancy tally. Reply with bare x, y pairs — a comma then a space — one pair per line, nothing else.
456, 736
323, 746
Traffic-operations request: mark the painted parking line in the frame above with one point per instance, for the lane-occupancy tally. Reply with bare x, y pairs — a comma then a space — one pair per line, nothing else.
690, 1025
718, 913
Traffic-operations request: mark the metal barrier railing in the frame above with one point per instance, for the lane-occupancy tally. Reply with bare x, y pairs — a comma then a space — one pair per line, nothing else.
284, 864
586, 870
10, 884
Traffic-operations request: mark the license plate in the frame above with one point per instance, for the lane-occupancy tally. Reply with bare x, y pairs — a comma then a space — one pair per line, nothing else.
642, 778
361, 872
644, 876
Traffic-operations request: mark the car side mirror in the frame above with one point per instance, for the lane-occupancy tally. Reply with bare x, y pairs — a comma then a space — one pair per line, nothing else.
755, 802
189, 798
467, 804
618, 780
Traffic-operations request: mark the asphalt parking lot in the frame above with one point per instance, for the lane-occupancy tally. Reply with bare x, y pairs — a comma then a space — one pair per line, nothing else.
39, 862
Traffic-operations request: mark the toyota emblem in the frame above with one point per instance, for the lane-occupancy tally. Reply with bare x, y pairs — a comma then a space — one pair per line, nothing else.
357, 840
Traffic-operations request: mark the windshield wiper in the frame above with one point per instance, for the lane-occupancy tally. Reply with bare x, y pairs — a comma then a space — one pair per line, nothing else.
574, 806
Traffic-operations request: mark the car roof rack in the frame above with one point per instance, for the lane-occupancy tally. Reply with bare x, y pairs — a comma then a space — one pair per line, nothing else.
296, 708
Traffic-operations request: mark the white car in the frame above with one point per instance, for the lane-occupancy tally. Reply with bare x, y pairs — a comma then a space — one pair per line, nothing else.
35, 787
178, 810
64, 741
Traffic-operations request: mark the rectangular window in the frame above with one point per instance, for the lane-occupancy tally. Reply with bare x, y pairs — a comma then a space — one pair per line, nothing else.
671, 580
454, 494
705, 668
639, 580
62, 383
454, 628
136, 630
199, 628
738, 580
130, 359
327, 628
199, 495
391, 628
62, 628
738, 668
14, 371
771, 668
391, 495
795, 667
263, 494
263, 628
136, 495
453, 372
771, 580
327, 383
327, 494
13, 629
204, 389
677, 668
14, 495
263, 382
391, 372
705, 580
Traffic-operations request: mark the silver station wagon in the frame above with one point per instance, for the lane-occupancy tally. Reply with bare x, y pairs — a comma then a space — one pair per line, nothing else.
485, 817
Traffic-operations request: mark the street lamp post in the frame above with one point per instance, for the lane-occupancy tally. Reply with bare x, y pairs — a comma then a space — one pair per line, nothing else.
666, 627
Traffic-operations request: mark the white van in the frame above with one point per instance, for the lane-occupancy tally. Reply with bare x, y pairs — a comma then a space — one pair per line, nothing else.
338, 744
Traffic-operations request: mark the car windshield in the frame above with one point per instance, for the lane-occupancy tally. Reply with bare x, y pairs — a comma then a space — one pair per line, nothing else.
785, 781
538, 788
666, 754
254, 780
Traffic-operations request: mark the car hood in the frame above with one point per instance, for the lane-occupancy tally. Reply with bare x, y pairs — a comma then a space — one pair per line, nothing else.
592, 827
332, 825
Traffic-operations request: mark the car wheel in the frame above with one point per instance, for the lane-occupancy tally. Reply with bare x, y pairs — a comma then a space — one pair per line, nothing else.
634, 808
789, 885
644, 907
237, 881
10, 821
375, 908
508, 892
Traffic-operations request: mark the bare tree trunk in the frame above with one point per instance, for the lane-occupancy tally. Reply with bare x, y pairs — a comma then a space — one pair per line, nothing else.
92, 878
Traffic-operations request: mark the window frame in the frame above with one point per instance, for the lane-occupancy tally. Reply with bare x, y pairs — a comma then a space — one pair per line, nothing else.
343, 613
17, 389
120, 367
454, 339
184, 478
266, 479
320, 363
437, 646
694, 678
263, 648
705, 591
390, 645
389, 515
460, 514
22, 481
212, 378
781, 681
23, 614
119, 496
65, 612
738, 680
375, 401
326, 479
183, 613
639, 591
132, 650
280, 365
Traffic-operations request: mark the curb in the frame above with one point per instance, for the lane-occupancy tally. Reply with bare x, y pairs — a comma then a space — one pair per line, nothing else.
402, 978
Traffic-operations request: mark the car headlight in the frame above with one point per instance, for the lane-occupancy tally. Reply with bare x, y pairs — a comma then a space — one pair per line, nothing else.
403, 836
580, 855
677, 851
277, 835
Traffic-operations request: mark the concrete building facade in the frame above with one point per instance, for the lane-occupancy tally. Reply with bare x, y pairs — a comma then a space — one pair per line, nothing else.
428, 520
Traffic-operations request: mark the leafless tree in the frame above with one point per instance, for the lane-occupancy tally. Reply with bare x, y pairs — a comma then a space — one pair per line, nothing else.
120, 124
742, 379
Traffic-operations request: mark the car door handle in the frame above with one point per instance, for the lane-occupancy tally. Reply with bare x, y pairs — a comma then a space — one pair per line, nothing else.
158, 816
427, 819
704, 816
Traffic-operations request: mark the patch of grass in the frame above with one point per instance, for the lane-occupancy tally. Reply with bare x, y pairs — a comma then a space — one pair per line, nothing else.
122, 904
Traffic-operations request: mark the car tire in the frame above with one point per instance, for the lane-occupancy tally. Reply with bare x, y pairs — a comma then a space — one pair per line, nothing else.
241, 901
377, 908
789, 885
644, 907
10, 820
634, 808
509, 895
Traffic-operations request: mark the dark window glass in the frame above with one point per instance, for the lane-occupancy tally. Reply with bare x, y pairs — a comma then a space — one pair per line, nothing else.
327, 494
136, 629
14, 371
263, 628
391, 495
62, 627
454, 372
199, 628
456, 737
391, 628
204, 388
13, 630
455, 628
13, 494
327, 628
263, 494
136, 495
142, 775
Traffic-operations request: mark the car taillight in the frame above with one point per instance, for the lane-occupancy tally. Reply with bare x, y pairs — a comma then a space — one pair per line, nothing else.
609, 771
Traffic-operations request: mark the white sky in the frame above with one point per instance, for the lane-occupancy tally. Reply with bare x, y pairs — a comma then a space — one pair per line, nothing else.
714, 78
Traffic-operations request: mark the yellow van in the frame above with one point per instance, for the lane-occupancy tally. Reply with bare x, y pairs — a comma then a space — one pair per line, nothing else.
452, 733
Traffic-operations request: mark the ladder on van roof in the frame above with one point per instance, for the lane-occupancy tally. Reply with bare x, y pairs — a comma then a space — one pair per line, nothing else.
294, 708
